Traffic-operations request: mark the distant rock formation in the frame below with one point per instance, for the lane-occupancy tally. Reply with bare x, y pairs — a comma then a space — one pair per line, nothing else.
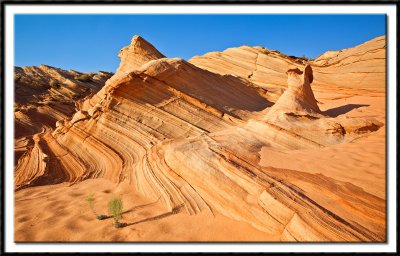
45, 95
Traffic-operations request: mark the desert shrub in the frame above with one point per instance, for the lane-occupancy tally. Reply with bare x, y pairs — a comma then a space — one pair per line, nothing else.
83, 78
304, 57
54, 84
90, 201
115, 208
283, 55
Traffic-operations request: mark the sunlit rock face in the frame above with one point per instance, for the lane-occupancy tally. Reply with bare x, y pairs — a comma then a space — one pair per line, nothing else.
45, 95
190, 134
136, 54
362, 66
298, 98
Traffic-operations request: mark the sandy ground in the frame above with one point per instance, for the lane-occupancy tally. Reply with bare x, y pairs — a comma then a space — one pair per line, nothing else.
61, 213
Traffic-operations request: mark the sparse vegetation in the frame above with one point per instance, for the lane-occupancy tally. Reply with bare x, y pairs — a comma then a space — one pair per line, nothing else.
83, 78
115, 208
90, 201
54, 84
304, 57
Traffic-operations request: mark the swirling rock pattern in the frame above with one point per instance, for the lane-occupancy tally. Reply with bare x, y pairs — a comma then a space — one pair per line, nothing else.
190, 135
45, 95
362, 66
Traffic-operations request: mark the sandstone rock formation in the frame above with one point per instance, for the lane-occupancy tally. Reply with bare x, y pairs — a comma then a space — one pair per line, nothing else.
190, 137
362, 66
45, 95
135, 55
299, 98
297, 114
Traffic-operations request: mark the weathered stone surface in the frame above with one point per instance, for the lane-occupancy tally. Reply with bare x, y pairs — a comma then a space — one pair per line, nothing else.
45, 95
362, 66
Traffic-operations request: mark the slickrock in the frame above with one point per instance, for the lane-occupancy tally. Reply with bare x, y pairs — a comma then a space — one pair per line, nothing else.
362, 66
264, 68
45, 95
296, 118
191, 139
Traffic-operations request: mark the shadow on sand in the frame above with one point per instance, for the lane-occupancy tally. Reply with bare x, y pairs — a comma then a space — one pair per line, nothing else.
157, 217
104, 217
334, 112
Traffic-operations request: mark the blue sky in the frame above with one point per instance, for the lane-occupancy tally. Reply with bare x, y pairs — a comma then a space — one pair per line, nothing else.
92, 42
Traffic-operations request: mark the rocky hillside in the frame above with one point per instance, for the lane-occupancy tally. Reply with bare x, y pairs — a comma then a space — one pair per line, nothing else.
189, 134
45, 95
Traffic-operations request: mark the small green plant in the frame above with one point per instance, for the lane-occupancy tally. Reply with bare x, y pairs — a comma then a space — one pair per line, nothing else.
90, 201
54, 84
83, 78
115, 208
304, 57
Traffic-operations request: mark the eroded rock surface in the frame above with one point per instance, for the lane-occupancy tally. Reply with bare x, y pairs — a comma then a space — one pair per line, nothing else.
362, 66
45, 95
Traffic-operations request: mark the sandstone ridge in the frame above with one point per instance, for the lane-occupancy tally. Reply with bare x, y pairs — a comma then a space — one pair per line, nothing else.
362, 66
45, 95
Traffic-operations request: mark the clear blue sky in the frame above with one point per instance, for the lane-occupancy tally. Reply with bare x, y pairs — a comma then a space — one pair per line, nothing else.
92, 42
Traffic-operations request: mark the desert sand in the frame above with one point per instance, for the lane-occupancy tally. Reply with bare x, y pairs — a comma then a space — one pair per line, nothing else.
247, 144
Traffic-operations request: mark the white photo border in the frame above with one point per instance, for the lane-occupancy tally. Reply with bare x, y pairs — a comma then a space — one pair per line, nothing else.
85, 8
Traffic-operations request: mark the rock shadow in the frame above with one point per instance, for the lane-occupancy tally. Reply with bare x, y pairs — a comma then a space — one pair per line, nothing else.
157, 217
334, 112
